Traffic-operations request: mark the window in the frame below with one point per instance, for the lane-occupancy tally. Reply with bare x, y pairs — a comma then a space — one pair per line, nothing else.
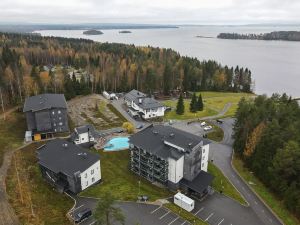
53, 112
54, 124
87, 183
203, 151
92, 171
82, 139
85, 175
59, 118
202, 165
93, 179
59, 112
203, 158
60, 123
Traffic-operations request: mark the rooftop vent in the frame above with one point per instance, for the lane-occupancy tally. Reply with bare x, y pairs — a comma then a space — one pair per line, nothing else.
155, 132
172, 135
190, 144
82, 154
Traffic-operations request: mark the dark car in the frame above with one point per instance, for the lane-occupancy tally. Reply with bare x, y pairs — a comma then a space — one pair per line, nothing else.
140, 126
219, 121
83, 214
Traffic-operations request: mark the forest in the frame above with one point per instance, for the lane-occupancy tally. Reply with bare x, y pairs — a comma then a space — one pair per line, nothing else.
115, 67
276, 35
267, 139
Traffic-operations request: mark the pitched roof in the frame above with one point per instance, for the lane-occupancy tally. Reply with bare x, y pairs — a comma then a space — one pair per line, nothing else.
85, 128
65, 157
146, 103
44, 101
164, 141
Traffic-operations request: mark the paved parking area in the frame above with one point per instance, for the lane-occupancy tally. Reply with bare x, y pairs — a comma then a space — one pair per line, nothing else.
145, 214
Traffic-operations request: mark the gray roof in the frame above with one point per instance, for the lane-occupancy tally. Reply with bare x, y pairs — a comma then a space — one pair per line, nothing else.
199, 183
85, 128
152, 138
65, 157
147, 103
44, 101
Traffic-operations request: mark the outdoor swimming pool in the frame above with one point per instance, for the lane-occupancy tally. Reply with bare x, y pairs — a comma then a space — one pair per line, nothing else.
116, 144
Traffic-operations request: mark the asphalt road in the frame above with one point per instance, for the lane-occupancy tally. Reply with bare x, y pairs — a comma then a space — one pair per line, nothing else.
221, 154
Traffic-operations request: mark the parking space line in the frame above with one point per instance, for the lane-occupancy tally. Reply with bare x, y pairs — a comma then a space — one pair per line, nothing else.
199, 211
183, 223
75, 209
255, 202
156, 209
173, 220
221, 221
93, 222
209, 216
164, 215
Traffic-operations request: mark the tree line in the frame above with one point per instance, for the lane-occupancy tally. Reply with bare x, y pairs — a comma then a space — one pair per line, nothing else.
115, 67
267, 139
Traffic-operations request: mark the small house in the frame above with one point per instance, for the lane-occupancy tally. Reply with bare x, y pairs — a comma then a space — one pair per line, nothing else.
68, 167
84, 135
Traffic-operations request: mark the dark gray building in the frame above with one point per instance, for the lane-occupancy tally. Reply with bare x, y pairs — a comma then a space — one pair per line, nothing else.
171, 157
46, 113
67, 166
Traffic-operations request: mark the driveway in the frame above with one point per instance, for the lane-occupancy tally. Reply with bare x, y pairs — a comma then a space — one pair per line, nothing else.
221, 154
135, 213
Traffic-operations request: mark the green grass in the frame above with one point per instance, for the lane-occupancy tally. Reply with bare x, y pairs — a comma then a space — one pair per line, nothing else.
49, 206
185, 214
217, 134
221, 183
123, 184
273, 202
214, 102
12, 132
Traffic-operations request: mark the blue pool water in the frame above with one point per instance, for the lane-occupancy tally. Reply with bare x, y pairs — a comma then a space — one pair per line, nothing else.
118, 143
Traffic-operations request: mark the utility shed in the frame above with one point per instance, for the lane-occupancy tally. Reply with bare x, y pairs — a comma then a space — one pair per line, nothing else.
67, 166
46, 113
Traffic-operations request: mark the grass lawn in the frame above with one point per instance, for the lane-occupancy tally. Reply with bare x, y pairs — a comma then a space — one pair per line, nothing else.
12, 132
118, 180
217, 134
34, 200
273, 202
221, 183
214, 102
185, 214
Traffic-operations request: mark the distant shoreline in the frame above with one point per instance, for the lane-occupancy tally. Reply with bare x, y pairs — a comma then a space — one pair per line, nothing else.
272, 36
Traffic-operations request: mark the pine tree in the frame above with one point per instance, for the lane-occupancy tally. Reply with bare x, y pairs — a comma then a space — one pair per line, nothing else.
180, 106
193, 104
200, 105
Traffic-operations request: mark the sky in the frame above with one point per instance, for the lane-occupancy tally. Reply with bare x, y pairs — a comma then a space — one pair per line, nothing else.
150, 11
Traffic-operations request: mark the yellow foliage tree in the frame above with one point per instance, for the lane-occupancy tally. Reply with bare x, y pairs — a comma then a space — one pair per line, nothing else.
129, 127
253, 139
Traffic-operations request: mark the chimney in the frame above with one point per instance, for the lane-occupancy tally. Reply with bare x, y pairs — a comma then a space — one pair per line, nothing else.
140, 100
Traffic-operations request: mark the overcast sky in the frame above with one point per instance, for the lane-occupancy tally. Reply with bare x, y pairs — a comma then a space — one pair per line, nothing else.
151, 11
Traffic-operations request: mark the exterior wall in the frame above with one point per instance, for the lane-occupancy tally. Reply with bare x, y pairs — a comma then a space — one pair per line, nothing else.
91, 176
175, 169
192, 163
30, 119
152, 113
204, 160
59, 120
43, 121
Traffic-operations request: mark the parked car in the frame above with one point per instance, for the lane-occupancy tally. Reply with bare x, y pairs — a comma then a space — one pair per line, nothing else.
207, 128
140, 126
203, 124
219, 121
83, 214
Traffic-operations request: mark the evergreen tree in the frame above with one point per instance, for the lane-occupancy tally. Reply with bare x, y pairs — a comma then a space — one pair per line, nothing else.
167, 79
200, 104
180, 106
193, 104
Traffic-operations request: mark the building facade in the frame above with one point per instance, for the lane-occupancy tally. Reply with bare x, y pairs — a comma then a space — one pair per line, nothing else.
171, 157
143, 105
46, 113
68, 167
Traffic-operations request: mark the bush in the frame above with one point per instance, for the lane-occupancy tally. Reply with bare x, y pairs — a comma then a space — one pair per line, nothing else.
129, 127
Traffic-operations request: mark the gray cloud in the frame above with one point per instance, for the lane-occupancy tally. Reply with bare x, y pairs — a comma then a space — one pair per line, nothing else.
154, 11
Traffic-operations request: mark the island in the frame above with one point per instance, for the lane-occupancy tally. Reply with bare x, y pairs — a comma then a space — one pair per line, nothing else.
276, 35
125, 32
92, 32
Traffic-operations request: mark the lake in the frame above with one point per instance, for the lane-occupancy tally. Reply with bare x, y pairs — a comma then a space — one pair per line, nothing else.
275, 65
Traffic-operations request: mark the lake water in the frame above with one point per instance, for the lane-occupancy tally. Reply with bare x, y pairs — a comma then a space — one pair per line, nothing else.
275, 65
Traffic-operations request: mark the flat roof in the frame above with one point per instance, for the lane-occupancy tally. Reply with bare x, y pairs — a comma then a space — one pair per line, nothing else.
153, 139
62, 156
184, 198
200, 183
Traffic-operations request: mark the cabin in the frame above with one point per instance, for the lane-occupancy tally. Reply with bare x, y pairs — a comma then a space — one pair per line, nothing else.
84, 135
68, 167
